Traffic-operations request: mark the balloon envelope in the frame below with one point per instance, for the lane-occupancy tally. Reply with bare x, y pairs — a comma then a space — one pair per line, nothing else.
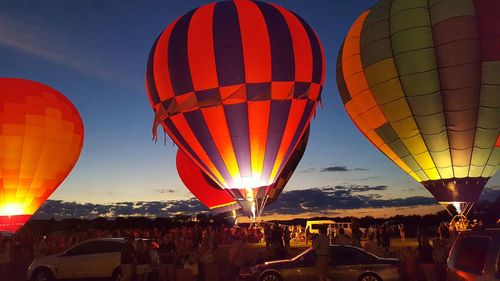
235, 84
203, 187
421, 82
40, 141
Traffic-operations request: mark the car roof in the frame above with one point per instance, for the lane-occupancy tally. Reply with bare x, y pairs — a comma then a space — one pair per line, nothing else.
114, 239
494, 232
320, 222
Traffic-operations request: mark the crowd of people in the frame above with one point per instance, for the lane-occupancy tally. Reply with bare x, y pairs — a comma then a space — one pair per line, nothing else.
192, 250
187, 250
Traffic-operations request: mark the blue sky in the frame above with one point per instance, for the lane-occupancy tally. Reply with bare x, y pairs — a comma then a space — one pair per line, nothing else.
95, 53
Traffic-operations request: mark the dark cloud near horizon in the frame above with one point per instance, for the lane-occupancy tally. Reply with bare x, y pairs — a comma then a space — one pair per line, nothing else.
331, 199
59, 209
341, 169
319, 200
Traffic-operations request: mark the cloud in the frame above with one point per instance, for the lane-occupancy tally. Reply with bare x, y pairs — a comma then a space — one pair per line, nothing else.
335, 169
295, 202
162, 190
326, 199
59, 209
320, 200
369, 178
341, 169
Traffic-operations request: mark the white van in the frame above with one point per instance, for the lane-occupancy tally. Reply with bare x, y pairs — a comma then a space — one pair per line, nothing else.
347, 226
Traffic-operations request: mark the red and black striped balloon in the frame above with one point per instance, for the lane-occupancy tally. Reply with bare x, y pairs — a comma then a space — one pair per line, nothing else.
235, 84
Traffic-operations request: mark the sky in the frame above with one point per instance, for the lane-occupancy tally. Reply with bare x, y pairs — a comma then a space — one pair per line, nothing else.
95, 53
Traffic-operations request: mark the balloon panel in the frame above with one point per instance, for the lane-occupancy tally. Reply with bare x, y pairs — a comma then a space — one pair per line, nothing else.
288, 170
420, 82
235, 84
202, 187
40, 141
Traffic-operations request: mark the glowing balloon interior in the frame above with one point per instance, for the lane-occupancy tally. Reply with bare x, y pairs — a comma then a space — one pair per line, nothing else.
41, 136
251, 201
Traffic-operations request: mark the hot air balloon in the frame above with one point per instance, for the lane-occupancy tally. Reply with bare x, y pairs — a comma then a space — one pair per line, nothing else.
203, 187
218, 200
40, 141
235, 84
421, 80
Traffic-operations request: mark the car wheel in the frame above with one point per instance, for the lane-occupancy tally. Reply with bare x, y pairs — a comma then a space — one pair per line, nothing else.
270, 276
42, 274
369, 277
117, 275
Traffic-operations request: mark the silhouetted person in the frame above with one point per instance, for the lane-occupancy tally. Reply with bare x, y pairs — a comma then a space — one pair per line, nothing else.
321, 246
167, 260
341, 238
277, 241
286, 237
426, 259
127, 259
143, 260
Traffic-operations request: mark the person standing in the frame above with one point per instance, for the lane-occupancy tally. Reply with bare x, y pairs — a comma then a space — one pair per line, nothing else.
426, 260
236, 257
440, 255
308, 235
321, 246
356, 234
331, 233
287, 236
341, 238
385, 236
372, 246
143, 260
166, 254
40, 249
408, 262
277, 241
267, 235
127, 259
402, 233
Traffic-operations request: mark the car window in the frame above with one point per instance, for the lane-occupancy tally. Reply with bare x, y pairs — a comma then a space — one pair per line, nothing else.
94, 247
347, 256
109, 246
471, 254
82, 249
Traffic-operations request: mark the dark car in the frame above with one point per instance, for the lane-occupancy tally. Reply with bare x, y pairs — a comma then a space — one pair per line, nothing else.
475, 256
348, 264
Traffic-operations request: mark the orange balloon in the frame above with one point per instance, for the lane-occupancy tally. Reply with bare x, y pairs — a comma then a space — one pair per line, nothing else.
41, 137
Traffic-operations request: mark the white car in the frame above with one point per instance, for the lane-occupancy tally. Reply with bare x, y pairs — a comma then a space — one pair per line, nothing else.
94, 258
